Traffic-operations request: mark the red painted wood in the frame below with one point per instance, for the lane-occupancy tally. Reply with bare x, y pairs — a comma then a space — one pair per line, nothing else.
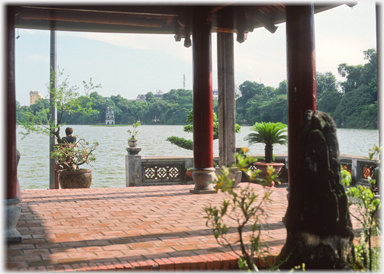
301, 75
10, 101
202, 90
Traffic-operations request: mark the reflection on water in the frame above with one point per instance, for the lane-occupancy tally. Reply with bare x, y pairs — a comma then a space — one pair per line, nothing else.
109, 168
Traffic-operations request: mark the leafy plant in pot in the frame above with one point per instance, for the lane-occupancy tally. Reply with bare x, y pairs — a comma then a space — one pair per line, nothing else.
70, 157
132, 142
268, 134
189, 172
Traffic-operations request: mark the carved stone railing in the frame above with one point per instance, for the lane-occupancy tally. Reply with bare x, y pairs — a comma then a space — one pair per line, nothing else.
165, 170
359, 167
145, 170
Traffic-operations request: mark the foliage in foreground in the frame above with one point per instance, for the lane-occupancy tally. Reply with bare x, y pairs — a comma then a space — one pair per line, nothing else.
367, 205
247, 209
244, 207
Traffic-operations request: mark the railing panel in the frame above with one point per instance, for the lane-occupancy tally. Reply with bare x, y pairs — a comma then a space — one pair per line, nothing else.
172, 170
164, 170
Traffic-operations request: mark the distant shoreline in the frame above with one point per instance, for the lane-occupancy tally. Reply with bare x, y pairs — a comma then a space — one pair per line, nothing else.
110, 125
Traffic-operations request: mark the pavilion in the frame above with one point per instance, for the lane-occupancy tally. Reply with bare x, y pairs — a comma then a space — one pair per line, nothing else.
184, 21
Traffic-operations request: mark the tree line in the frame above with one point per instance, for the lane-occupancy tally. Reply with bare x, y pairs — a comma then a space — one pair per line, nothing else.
172, 109
352, 103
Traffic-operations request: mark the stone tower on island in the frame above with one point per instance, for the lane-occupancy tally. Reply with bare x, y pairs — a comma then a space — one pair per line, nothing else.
109, 116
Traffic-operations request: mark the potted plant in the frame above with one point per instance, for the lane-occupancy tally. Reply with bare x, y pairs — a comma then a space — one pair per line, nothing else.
132, 142
70, 157
268, 134
189, 172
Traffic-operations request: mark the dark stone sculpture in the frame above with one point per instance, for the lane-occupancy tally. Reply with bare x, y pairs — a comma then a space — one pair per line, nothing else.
319, 228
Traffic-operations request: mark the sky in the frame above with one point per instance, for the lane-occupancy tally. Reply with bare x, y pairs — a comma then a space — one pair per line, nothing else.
133, 64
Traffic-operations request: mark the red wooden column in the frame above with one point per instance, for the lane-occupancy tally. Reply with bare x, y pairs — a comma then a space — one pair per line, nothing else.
202, 102
301, 75
11, 108
13, 198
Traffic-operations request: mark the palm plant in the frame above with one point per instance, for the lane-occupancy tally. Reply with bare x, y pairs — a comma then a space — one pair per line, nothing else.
269, 134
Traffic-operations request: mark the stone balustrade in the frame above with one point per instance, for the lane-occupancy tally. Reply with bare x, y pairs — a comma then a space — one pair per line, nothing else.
148, 170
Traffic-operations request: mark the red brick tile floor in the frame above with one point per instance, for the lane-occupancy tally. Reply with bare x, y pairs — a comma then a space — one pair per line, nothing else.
152, 227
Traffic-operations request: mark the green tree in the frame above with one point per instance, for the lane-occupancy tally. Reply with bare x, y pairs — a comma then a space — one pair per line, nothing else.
360, 74
325, 82
357, 107
149, 97
66, 99
155, 111
282, 89
328, 96
329, 101
118, 114
348, 113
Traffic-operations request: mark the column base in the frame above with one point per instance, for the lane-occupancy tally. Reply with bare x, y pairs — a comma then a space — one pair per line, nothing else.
133, 150
12, 214
203, 179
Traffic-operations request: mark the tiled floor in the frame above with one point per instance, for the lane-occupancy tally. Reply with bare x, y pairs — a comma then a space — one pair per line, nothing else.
123, 228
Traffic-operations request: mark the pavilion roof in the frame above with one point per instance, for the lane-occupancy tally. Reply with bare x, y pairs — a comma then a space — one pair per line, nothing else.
152, 18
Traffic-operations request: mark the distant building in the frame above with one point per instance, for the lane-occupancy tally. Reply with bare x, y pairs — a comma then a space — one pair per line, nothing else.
215, 93
109, 116
34, 96
140, 97
159, 94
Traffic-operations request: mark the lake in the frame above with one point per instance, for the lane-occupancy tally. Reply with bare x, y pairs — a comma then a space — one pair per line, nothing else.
109, 168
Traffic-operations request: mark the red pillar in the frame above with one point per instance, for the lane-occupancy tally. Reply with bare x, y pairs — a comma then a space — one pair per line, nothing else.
203, 172
202, 91
301, 75
10, 101
13, 196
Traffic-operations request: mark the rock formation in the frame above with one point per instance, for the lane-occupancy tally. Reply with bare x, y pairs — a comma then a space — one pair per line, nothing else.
319, 228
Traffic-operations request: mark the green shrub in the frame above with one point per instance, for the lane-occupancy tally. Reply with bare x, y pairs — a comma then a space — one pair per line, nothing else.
181, 142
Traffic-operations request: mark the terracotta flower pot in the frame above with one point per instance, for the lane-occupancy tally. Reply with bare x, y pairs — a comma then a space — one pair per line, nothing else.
75, 179
189, 173
263, 167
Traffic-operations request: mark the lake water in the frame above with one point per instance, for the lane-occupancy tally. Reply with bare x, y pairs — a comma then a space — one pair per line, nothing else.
109, 168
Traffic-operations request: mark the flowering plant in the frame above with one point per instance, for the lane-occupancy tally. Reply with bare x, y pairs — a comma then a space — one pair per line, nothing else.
71, 156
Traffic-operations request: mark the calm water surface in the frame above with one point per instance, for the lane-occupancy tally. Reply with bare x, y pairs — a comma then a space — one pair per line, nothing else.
109, 168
